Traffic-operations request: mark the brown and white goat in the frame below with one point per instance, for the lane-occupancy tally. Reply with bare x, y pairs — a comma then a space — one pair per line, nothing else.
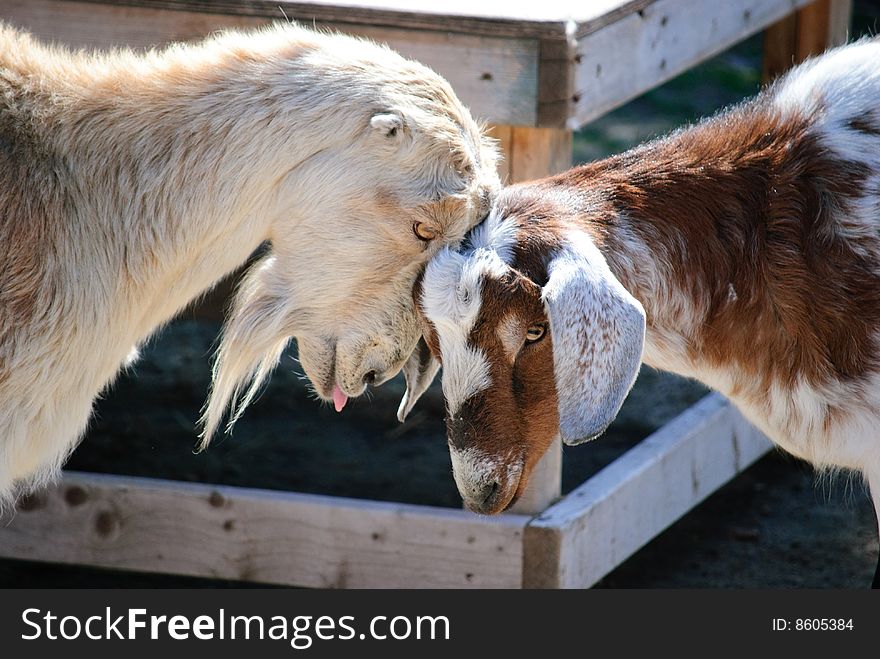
743, 251
131, 183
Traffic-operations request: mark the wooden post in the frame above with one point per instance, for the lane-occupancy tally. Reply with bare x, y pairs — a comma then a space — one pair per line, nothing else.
545, 484
809, 31
538, 152
531, 153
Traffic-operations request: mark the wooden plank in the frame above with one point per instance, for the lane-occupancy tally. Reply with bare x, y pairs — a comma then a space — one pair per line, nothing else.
607, 54
839, 19
596, 527
644, 49
538, 152
821, 25
780, 44
548, 19
556, 81
257, 535
545, 484
807, 32
497, 78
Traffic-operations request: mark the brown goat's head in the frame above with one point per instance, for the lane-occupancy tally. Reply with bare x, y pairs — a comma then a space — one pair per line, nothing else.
536, 337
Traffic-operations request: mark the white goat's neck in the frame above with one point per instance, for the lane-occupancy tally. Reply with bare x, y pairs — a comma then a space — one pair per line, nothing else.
179, 190
130, 185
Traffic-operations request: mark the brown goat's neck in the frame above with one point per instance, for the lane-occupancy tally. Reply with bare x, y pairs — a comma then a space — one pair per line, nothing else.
730, 237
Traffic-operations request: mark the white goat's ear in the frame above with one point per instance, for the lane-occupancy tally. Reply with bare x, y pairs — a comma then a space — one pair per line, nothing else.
389, 124
598, 332
419, 371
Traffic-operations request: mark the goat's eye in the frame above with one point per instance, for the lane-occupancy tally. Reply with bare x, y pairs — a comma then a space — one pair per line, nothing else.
535, 333
423, 231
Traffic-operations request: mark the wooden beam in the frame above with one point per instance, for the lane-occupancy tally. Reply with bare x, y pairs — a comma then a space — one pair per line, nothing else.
548, 19
546, 72
597, 526
822, 25
646, 48
496, 77
538, 152
263, 536
545, 484
809, 31
556, 81
780, 45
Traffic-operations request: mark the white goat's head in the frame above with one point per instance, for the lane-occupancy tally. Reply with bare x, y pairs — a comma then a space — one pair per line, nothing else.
400, 171
536, 337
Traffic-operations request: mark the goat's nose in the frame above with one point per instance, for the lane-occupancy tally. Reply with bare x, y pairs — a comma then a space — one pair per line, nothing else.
369, 377
481, 496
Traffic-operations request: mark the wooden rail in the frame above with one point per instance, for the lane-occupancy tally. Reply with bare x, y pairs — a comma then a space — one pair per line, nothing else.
308, 540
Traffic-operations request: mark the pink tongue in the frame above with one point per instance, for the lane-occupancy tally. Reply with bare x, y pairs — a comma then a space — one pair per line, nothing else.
339, 398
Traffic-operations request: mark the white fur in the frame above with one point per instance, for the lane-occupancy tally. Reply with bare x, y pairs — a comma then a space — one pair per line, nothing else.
452, 302
451, 299
509, 332
153, 175
493, 234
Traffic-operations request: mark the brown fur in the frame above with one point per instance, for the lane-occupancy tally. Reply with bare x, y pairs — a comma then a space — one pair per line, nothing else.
746, 219
756, 205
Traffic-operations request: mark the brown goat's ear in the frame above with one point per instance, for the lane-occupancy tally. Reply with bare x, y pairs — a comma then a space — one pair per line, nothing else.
598, 332
419, 371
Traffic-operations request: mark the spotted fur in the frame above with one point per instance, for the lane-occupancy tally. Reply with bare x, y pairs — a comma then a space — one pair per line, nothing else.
752, 242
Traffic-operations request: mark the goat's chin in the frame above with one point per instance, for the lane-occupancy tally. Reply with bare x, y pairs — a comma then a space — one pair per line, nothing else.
520, 489
317, 357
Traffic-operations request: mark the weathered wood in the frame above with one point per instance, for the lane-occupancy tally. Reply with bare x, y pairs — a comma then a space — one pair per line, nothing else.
839, 20
597, 526
545, 484
538, 152
821, 25
497, 78
809, 31
263, 536
646, 48
548, 19
556, 81
780, 44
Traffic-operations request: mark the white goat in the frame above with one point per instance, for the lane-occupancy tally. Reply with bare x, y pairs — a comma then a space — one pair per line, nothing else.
131, 183
743, 252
